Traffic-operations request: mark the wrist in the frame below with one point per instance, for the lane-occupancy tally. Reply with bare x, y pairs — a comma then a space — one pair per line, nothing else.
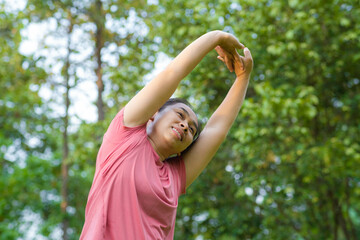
219, 36
243, 77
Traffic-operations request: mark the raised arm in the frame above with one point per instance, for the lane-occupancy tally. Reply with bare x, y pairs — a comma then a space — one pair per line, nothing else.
216, 129
144, 104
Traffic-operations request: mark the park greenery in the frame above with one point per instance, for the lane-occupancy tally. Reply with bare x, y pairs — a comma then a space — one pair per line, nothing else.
289, 168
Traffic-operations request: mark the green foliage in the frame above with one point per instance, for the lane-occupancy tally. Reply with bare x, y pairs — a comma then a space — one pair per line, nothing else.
289, 166
295, 143
24, 132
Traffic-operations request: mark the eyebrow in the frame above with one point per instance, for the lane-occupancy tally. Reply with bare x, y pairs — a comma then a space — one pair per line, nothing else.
192, 122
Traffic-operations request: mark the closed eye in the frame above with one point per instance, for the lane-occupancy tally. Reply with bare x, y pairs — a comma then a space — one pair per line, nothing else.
191, 130
181, 115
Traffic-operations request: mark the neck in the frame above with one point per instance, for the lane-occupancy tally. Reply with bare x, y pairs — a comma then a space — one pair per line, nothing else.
161, 154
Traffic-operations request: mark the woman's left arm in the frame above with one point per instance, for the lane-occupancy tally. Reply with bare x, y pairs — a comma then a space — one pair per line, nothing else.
216, 129
148, 101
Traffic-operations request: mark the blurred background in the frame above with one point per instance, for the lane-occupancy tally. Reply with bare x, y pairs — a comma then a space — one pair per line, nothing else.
289, 168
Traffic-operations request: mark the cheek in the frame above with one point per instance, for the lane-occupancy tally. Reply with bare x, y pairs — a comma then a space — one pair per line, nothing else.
189, 141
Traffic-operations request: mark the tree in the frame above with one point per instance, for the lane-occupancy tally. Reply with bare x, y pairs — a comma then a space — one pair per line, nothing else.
79, 154
288, 169
289, 158
24, 131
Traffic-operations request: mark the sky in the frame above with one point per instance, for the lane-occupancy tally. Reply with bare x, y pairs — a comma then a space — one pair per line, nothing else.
85, 92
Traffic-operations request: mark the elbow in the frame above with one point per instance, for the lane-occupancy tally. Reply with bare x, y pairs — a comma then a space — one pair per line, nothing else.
171, 72
216, 133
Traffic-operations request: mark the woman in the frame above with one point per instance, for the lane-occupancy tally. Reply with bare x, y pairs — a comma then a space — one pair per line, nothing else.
137, 184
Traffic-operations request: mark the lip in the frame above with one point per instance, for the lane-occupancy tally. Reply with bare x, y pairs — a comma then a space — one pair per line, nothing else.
178, 130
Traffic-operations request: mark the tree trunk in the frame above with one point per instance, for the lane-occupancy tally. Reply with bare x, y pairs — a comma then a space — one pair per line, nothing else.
347, 199
99, 44
338, 216
65, 162
343, 223
335, 214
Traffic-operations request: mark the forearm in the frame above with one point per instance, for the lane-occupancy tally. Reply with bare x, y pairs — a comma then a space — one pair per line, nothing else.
215, 130
222, 119
188, 59
168, 80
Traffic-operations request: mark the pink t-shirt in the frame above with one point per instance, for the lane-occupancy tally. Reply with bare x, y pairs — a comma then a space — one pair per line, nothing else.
134, 195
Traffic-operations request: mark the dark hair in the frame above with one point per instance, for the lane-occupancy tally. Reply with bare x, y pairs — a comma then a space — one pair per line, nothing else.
173, 101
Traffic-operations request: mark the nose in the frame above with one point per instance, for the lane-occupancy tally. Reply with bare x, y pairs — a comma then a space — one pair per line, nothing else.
184, 126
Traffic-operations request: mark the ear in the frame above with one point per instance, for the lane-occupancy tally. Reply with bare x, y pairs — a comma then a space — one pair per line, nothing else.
149, 124
151, 120
153, 116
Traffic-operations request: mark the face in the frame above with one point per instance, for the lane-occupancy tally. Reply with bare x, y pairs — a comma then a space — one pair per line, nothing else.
173, 129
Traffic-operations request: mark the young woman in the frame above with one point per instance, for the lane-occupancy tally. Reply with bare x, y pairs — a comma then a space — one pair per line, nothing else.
136, 185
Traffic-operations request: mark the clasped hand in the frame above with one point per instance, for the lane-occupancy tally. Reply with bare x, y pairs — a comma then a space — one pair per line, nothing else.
242, 65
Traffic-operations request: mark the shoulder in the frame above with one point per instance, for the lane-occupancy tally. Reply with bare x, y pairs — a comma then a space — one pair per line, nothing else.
118, 131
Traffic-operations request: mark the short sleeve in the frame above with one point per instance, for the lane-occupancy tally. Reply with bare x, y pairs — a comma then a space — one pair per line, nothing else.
117, 140
117, 130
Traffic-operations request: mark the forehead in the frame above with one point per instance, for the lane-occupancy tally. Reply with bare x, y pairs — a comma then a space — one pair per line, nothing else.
185, 108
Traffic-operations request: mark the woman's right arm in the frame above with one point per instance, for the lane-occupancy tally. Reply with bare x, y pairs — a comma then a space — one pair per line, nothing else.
147, 102
220, 122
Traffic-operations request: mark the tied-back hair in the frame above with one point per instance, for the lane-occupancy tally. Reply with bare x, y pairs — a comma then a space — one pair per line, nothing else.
173, 101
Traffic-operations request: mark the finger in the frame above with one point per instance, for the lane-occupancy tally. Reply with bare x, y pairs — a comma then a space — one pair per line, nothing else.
224, 52
221, 59
217, 49
242, 59
247, 53
226, 57
231, 69
238, 44
220, 51
240, 62
239, 59
229, 63
236, 55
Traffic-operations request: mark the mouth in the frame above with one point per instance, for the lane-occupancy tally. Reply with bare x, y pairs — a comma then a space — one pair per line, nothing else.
178, 132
